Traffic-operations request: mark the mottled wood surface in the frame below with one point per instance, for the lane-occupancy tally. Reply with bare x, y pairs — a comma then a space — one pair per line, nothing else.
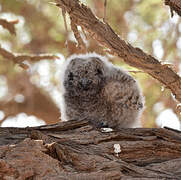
84, 152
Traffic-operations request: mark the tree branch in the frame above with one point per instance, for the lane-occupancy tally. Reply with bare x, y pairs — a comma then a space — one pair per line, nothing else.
105, 35
175, 5
22, 57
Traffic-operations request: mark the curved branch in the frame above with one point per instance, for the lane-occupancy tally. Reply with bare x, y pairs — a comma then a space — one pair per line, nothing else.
105, 35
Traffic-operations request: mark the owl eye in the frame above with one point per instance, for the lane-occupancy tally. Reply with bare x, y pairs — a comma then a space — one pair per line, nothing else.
70, 76
99, 72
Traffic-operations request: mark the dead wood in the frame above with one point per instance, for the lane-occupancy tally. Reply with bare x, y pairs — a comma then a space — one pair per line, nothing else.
104, 34
9, 25
75, 150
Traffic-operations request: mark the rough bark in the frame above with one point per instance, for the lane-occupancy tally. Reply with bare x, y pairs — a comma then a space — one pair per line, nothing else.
175, 5
104, 34
75, 150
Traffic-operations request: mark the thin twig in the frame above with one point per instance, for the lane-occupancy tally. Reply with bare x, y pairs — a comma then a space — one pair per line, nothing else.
64, 18
135, 72
18, 59
105, 5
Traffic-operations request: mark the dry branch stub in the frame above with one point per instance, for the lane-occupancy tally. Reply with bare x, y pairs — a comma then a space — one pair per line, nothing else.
9, 25
81, 44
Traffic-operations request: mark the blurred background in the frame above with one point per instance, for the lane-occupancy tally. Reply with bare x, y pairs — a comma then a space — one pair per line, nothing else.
31, 97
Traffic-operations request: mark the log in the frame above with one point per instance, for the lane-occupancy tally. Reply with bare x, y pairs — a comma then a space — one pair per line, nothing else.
76, 150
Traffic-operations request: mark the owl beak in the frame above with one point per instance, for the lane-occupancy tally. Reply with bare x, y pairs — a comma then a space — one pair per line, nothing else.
84, 83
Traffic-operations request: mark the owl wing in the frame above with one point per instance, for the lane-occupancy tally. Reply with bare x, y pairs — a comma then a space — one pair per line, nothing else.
122, 90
